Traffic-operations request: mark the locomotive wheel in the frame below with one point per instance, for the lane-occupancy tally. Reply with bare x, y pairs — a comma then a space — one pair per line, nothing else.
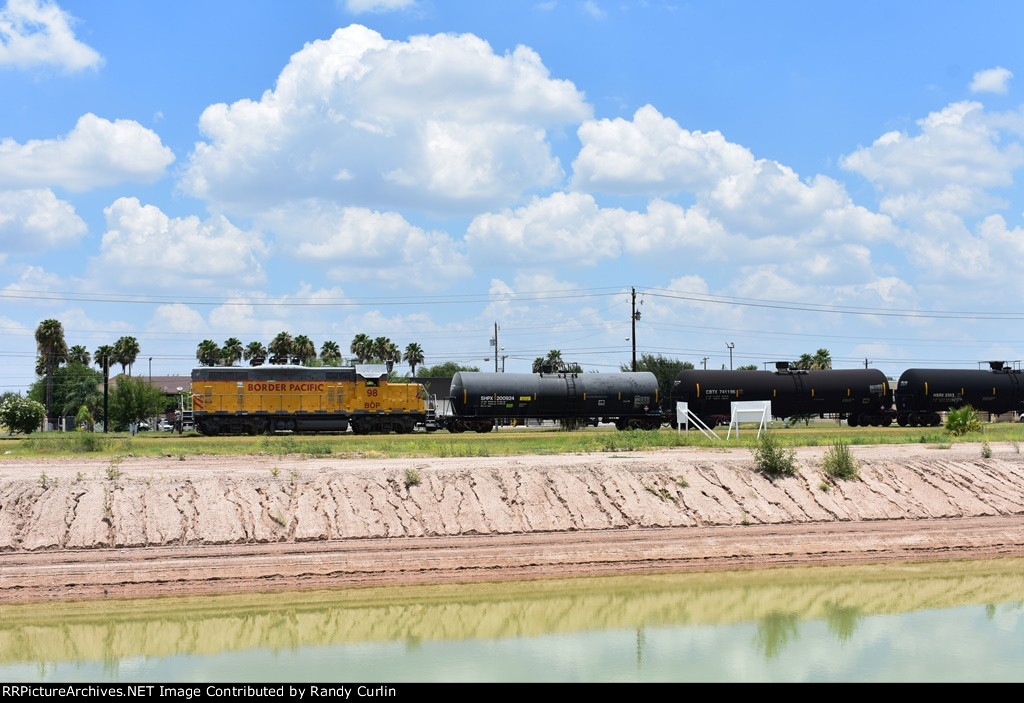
404, 425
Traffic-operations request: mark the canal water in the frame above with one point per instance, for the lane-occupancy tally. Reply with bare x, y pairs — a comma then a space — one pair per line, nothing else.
960, 621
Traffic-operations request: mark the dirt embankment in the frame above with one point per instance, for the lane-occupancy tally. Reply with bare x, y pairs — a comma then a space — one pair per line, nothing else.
80, 528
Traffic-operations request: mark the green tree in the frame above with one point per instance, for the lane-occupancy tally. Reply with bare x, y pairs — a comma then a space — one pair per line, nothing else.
663, 368
445, 370
208, 353
747, 367
231, 351
818, 361
133, 400
255, 353
126, 351
303, 349
379, 350
361, 347
74, 385
53, 351
22, 415
330, 353
104, 357
280, 348
391, 354
80, 354
413, 356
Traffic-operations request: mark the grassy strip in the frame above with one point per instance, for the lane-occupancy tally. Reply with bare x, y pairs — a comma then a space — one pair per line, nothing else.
504, 441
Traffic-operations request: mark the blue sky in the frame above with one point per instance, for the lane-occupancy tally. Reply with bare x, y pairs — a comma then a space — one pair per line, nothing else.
779, 176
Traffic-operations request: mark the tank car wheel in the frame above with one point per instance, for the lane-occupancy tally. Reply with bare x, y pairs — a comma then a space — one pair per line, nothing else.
620, 424
851, 420
902, 420
887, 421
935, 420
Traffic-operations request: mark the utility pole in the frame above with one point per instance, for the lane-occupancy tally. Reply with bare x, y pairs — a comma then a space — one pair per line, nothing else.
633, 318
865, 362
496, 348
731, 346
705, 362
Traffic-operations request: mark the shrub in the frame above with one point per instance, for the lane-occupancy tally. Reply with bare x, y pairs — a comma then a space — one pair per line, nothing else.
772, 459
962, 420
986, 451
22, 415
838, 462
412, 478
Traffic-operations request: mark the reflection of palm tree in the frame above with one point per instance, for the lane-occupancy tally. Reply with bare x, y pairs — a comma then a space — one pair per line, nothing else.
774, 632
841, 620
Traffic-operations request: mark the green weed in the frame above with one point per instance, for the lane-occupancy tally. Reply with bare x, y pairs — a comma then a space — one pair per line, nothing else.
772, 459
838, 462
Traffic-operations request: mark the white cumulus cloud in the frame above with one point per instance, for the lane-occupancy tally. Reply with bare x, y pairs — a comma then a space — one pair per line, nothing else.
353, 243
440, 123
97, 152
145, 249
993, 80
38, 33
36, 220
653, 154
358, 7
957, 145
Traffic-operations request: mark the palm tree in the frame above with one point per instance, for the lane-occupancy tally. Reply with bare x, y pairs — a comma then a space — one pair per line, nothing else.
414, 356
255, 353
208, 353
80, 354
379, 350
804, 363
391, 355
330, 353
231, 351
360, 348
53, 351
303, 349
822, 360
126, 351
104, 356
280, 348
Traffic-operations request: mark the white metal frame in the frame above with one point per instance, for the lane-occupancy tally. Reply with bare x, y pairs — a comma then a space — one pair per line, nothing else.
750, 411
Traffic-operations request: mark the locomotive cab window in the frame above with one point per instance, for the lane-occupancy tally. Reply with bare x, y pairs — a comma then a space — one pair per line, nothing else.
371, 383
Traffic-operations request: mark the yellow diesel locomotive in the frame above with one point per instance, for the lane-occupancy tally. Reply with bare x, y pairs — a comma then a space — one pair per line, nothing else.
283, 398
